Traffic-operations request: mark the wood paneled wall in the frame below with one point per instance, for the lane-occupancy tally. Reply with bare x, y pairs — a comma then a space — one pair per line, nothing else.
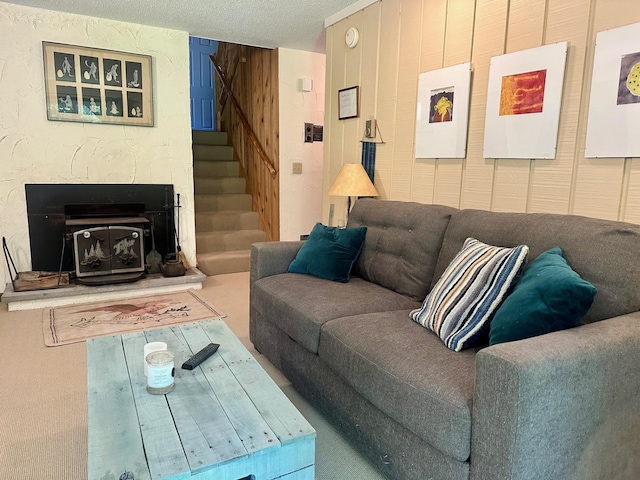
401, 38
255, 85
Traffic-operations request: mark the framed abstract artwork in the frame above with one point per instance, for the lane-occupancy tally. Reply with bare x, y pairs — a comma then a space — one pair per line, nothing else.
523, 103
442, 113
91, 85
614, 106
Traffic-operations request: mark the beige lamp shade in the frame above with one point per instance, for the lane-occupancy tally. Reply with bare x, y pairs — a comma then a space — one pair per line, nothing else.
352, 181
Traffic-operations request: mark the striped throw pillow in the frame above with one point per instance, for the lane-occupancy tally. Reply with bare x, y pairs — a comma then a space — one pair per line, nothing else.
461, 304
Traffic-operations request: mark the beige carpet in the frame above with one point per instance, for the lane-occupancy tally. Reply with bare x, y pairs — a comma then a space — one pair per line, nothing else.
76, 323
43, 391
43, 397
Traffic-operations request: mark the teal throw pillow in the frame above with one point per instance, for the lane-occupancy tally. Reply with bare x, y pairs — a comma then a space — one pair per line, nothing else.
329, 252
550, 296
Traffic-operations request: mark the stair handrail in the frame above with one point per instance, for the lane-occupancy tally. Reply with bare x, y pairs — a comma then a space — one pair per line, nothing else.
224, 96
243, 119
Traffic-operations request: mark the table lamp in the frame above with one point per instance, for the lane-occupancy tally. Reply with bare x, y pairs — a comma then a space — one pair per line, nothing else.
352, 181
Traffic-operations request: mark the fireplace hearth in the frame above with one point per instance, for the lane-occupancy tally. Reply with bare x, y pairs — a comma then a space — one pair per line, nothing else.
152, 284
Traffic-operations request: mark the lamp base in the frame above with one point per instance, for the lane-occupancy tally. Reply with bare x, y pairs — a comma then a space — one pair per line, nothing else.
346, 215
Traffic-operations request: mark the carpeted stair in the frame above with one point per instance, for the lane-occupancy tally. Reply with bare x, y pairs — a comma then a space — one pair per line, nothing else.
225, 224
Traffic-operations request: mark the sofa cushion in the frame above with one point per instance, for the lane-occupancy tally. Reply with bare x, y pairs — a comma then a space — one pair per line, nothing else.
460, 305
402, 243
549, 297
603, 252
405, 371
329, 252
300, 304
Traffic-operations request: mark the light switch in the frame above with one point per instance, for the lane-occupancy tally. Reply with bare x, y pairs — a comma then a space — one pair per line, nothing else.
306, 84
297, 168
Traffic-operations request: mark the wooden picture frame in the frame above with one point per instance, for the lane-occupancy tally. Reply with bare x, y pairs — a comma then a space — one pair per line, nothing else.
92, 85
349, 103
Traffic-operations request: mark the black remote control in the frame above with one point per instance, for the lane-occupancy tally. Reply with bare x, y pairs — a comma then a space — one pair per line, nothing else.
200, 357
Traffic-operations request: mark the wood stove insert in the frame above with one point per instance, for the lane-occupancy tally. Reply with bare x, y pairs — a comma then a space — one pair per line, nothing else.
107, 242
48, 211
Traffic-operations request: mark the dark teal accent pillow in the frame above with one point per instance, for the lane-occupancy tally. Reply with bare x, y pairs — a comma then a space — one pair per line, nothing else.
329, 252
549, 297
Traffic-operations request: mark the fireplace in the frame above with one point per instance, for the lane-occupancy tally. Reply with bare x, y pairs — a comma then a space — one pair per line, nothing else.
99, 232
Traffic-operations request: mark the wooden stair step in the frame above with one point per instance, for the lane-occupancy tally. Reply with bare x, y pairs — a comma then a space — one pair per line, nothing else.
222, 201
208, 185
202, 137
212, 153
224, 262
226, 220
227, 241
215, 169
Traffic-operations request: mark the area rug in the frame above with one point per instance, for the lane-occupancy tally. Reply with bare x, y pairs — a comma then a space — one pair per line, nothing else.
76, 323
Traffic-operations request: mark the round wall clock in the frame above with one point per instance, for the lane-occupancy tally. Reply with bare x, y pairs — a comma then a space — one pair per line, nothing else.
351, 37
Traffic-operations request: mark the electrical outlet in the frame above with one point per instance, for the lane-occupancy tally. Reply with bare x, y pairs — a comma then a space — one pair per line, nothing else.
297, 168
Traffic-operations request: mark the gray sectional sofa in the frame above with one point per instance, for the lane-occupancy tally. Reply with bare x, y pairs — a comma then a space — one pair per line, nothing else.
564, 405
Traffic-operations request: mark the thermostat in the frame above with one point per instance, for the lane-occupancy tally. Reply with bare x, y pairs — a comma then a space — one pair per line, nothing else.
370, 128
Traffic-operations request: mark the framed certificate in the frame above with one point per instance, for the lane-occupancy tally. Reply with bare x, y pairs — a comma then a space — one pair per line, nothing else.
348, 103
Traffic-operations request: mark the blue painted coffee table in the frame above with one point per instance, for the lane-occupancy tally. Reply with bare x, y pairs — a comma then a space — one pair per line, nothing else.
225, 420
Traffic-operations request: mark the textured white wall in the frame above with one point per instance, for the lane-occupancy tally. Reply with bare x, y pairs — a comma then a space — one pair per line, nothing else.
35, 150
300, 195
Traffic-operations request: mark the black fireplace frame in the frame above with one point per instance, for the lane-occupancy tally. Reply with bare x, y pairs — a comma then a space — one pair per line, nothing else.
46, 216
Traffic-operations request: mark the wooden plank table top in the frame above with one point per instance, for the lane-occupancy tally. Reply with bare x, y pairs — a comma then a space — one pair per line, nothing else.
225, 420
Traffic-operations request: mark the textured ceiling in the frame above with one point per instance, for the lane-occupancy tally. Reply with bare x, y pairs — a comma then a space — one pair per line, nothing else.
297, 24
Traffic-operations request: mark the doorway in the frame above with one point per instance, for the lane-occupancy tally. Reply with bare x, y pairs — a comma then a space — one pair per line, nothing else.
203, 86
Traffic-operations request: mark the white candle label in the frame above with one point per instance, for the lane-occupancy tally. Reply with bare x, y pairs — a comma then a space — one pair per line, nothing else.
160, 376
160, 370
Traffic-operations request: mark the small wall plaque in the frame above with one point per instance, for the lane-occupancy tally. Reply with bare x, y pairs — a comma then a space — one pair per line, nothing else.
348, 103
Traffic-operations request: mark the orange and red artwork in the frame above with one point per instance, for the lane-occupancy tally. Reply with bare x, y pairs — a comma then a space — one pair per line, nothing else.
522, 93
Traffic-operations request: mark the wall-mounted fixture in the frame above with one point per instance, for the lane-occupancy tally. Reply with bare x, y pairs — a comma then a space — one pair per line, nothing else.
370, 128
371, 131
318, 133
351, 37
313, 133
308, 132
306, 84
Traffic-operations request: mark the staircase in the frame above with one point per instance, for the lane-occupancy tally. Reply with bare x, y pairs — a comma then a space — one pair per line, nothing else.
225, 224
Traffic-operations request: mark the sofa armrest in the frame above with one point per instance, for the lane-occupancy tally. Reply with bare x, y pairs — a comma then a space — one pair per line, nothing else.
272, 258
565, 405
